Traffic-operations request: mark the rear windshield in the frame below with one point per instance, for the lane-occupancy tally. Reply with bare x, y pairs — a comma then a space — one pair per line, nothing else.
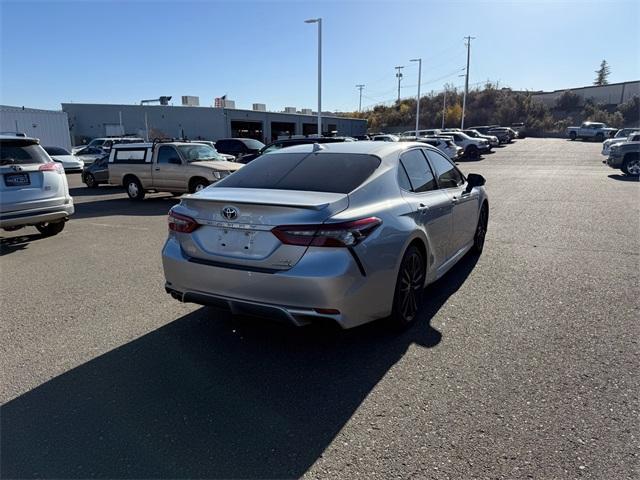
253, 144
315, 172
56, 151
21, 152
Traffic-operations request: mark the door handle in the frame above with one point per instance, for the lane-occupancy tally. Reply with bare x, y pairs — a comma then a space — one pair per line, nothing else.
157, 169
423, 208
454, 199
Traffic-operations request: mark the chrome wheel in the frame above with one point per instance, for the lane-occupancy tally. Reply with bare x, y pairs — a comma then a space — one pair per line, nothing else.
133, 190
633, 167
199, 187
410, 288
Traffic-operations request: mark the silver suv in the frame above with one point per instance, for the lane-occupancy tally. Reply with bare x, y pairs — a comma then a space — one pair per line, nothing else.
33, 188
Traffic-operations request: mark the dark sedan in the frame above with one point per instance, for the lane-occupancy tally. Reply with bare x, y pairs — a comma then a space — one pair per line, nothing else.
97, 172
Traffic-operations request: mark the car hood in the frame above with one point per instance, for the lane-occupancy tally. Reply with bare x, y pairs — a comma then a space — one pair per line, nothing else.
67, 158
218, 165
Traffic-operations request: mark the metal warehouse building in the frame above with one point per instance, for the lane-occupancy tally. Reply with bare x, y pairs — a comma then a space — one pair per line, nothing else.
87, 121
50, 126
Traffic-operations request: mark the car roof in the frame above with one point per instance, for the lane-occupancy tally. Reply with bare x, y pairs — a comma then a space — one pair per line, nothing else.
18, 137
124, 146
364, 147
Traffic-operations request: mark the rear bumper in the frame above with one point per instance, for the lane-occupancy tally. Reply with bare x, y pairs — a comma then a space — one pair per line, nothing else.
327, 279
34, 216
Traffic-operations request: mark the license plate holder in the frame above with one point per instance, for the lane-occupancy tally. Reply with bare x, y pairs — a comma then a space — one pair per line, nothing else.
17, 179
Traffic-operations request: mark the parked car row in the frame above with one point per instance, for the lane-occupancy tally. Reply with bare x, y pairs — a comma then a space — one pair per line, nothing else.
470, 143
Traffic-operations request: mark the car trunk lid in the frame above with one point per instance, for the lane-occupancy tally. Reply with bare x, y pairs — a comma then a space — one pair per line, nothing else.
236, 223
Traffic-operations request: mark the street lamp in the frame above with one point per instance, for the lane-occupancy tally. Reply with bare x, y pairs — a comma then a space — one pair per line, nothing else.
419, 60
319, 22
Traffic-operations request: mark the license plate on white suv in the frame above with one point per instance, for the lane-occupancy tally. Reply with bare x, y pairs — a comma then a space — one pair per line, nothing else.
17, 179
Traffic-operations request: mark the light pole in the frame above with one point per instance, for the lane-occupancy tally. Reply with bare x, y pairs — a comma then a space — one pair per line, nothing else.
319, 22
419, 60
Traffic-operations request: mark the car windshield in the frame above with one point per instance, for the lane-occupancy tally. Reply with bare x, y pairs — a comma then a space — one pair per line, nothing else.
96, 142
309, 172
56, 151
472, 133
625, 132
21, 152
198, 153
253, 144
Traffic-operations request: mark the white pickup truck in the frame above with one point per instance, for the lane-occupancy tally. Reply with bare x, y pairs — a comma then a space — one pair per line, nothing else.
591, 130
176, 167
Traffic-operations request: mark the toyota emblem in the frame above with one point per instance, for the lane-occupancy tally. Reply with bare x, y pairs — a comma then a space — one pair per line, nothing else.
230, 213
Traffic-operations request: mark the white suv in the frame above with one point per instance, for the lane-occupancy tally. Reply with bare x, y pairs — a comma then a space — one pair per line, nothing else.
33, 188
473, 147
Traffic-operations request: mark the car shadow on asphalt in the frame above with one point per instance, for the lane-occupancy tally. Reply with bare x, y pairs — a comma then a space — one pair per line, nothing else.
14, 244
209, 396
157, 205
95, 192
624, 178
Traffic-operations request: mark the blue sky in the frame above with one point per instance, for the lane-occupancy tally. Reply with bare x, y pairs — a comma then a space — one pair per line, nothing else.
122, 52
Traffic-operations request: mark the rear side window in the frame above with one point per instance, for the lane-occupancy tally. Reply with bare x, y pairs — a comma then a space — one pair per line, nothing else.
417, 169
311, 172
21, 152
448, 174
133, 155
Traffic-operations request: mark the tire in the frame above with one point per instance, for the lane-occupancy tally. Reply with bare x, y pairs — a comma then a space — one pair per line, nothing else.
481, 230
600, 137
472, 152
198, 184
408, 296
90, 181
134, 188
573, 135
50, 229
631, 165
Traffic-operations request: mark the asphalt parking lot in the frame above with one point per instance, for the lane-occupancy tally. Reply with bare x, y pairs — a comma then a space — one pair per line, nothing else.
521, 365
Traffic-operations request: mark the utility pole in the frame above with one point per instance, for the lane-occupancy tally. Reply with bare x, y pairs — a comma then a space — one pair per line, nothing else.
466, 79
360, 87
419, 60
399, 77
444, 107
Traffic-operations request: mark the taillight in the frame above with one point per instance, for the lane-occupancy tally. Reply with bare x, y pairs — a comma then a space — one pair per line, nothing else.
181, 223
345, 234
51, 167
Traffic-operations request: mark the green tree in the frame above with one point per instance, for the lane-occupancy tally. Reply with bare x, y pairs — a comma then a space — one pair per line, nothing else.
630, 110
568, 101
602, 74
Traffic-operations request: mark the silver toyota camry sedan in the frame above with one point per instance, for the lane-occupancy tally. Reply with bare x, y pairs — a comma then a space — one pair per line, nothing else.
347, 232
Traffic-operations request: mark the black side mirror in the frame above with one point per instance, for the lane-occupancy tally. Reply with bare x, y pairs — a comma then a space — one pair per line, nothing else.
474, 180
